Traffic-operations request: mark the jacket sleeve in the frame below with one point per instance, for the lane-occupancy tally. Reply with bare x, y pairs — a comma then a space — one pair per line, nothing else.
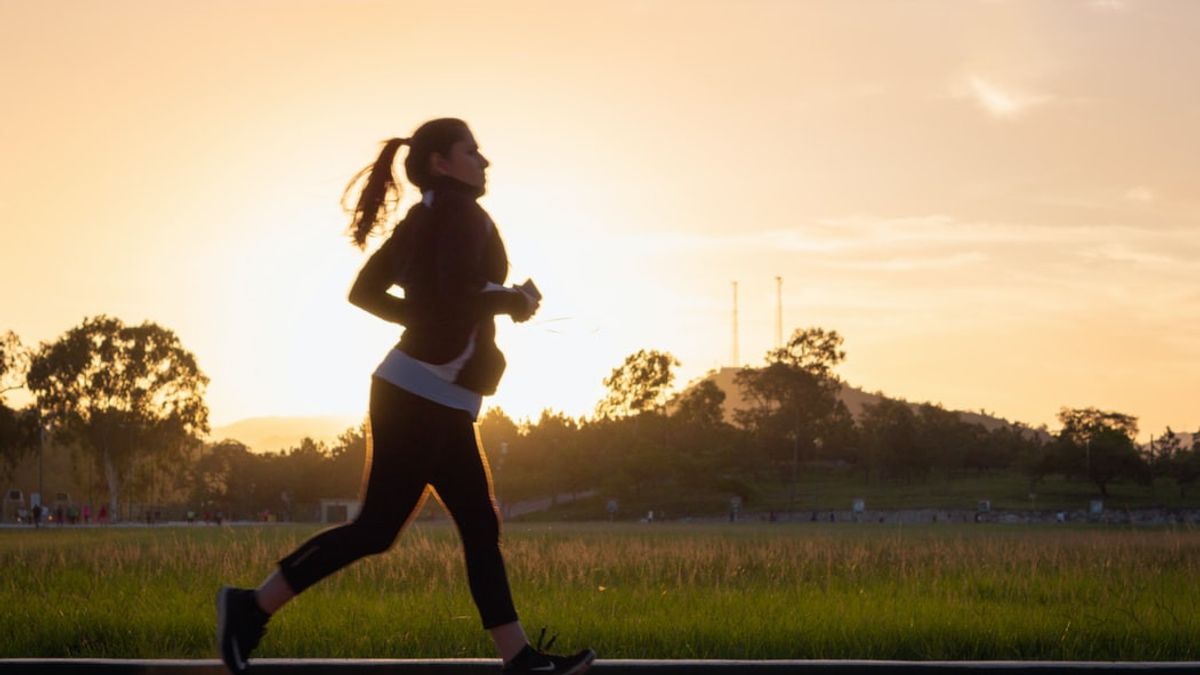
462, 241
370, 290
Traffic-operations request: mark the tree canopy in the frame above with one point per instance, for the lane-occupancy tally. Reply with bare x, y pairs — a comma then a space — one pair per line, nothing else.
124, 394
640, 384
19, 432
1099, 445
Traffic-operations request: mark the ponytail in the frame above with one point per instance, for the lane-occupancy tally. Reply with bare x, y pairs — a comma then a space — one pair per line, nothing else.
381, 192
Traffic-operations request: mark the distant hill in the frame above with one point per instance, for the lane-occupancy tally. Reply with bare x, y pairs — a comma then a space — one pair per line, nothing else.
270, 434
854, 398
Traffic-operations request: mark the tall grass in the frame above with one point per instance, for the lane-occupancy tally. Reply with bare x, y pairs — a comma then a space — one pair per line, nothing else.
631, 591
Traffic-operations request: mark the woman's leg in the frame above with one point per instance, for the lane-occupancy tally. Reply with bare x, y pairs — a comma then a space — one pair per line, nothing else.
401, 445
464, 485
509, 639
273, 593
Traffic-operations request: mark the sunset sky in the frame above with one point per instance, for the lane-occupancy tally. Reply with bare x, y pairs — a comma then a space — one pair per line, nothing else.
996, 203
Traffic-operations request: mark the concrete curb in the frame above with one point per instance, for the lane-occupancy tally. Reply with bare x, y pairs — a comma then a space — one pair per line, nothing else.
606, 666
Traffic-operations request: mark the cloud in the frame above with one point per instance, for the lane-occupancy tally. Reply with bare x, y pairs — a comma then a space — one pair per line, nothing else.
911, 263
928, 234
999, 101
1122, 253
1140, 193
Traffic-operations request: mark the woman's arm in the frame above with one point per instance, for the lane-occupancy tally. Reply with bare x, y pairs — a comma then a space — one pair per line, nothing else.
462, 241
370, 288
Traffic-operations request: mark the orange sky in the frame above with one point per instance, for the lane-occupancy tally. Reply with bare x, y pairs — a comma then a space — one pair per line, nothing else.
994, 202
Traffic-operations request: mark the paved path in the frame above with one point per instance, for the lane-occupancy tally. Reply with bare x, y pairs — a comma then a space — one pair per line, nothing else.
601, 667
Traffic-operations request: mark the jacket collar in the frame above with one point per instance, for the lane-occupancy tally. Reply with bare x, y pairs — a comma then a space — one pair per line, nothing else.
449, 184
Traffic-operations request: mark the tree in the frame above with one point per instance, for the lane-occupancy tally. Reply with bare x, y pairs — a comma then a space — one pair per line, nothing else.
18, 436
561, 468
306, 468
217, 474
700, 406
793, 401
19, 432
14, 363
944, 440
889, 435
124, 393
1005, 446
785, 403
1099, 445
1181, 464
639, 384
1163, 451
347, 462
702, 442
814, 350
497, 433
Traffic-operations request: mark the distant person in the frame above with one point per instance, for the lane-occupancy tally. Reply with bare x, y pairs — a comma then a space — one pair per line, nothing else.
102, 517
449, 259
37, 515
87, 514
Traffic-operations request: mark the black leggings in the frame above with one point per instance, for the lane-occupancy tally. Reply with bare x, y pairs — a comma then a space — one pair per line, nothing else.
415, 442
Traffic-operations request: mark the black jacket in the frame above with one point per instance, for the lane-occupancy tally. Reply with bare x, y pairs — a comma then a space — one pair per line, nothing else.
443, 255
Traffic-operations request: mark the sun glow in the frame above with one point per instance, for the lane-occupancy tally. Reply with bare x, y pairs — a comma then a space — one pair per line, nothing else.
967, 261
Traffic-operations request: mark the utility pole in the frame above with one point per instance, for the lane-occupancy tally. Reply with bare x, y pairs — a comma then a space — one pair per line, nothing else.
736, 360
41, 459
779, 312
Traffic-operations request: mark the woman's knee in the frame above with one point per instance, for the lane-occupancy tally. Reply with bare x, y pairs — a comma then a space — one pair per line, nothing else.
481, 530
371, 537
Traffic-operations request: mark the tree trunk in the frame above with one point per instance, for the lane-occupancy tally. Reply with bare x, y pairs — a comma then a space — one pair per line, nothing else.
114, 487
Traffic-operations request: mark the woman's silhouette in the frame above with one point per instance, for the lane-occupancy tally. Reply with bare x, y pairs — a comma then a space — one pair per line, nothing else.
425, 395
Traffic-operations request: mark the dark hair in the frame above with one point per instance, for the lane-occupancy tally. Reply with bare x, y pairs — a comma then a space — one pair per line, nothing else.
381, 190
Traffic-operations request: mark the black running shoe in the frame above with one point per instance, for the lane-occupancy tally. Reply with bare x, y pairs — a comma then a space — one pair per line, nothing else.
535, 660
241, 623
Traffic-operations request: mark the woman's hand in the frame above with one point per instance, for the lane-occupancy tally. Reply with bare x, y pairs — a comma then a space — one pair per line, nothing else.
531, 305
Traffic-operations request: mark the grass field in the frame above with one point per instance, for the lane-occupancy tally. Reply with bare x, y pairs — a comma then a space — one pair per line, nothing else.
630, 591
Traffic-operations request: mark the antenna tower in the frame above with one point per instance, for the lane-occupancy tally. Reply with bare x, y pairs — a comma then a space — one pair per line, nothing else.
779, 312
735, 327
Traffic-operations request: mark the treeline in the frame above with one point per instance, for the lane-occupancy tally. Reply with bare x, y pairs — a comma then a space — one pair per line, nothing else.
646, 440
126, 403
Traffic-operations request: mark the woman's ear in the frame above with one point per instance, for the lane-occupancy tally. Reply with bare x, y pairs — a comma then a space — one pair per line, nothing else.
437, 164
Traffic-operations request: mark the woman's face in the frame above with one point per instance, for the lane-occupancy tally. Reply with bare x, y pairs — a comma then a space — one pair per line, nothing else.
464, 162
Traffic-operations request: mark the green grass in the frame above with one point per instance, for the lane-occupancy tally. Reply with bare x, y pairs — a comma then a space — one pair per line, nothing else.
630, 591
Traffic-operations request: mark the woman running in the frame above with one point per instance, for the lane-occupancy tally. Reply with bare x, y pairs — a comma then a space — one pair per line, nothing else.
425, 396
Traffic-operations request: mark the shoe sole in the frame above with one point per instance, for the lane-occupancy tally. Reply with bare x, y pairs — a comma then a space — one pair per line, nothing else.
583, 666
578, 668
229, 659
